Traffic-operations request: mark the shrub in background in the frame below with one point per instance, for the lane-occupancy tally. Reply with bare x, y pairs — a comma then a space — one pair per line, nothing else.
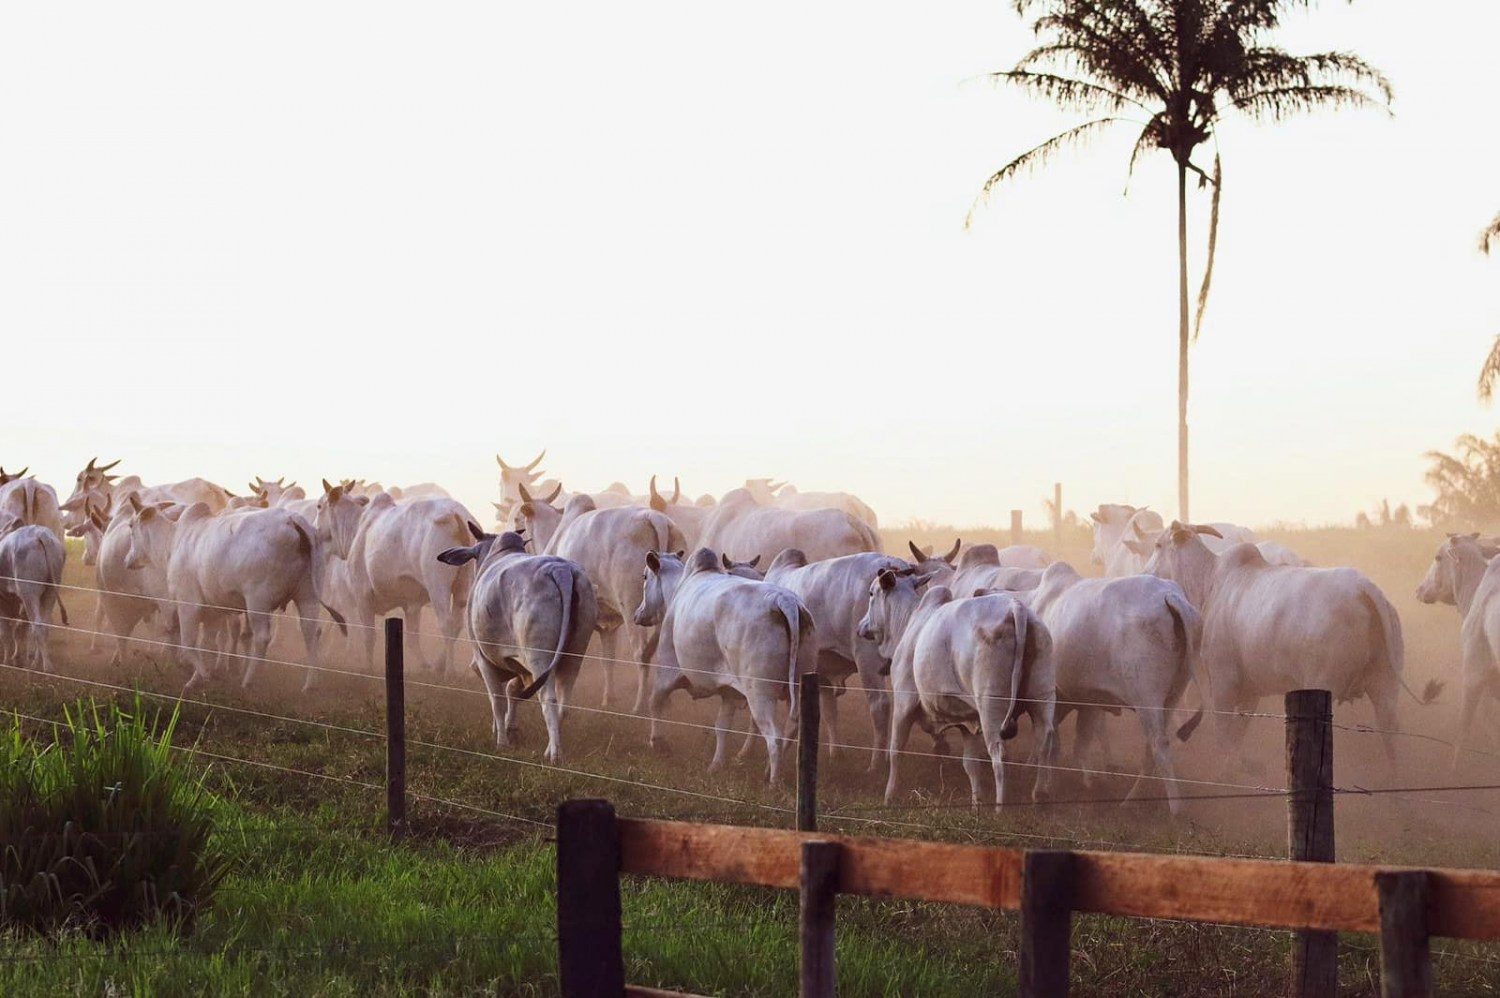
102, 826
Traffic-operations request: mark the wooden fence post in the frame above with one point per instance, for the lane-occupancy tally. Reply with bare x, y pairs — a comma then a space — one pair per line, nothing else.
811, 706
1046, 922
1405, 962
1057, 520
1309, 778
395, 728
1015, 526
819, 885
589, 957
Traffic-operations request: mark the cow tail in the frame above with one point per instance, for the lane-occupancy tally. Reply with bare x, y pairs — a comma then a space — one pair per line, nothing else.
315, 567
1187, 634
562, 577
1393, 648
794, 613
1018, 615
56, 589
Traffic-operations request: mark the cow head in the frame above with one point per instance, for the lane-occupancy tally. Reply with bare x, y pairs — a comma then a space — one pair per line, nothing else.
537, 515
94, 479
1455, 571
743, 569
484, 544
91, 528
926, 561
151, 530
338, 516
659, 503
662, 575
763, 490
1179, 555
514, 476
893, 597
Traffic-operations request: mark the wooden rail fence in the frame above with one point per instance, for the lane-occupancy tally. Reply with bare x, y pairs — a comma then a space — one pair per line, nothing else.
1403, 906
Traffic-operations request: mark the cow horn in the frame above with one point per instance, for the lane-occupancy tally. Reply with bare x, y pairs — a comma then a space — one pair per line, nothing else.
525, 496
503, 466
533, 464
279, 478
916, 552
953, 551
109, 465
773, 488
326, 486
728, 565
22, 472
556, 491
90, 466
676, 489
657, 502
754, 562
1203, 528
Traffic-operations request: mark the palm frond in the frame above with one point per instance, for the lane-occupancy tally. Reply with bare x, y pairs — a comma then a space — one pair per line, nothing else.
1489, 373
1271, 69
1081, 94
1491, 234
1279, 103
1213, 245
1035, 157
1150, 138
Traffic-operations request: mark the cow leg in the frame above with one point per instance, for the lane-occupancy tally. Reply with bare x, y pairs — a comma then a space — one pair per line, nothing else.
976, 767
829, 695
367, 629
98, 622
867, 662
1472, 694
904, 713
722, 724
1158, 759
637, 642
745, 749
1088, 752
189, 626
552, 718
1384, 699
609, 654
763, 711
312, 633
260, 640
494, 685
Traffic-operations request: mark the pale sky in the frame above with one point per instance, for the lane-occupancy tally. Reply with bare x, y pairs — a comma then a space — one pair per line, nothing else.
719, 240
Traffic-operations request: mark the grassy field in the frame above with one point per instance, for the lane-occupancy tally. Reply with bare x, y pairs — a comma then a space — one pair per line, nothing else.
320, 903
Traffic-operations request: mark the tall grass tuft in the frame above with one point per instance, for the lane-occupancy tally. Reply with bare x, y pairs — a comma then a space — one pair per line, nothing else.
102, 826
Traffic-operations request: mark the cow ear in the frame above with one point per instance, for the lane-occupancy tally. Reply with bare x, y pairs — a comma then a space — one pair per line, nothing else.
458, 556
922, 580
680, 554
887, 579
474, 530
653, 561
146, 513
135, 502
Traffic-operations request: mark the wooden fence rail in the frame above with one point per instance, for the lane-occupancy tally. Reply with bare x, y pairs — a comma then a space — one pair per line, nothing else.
1403, 910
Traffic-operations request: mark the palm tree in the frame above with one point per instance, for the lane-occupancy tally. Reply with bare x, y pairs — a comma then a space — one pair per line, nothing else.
1491, 370
1174, 68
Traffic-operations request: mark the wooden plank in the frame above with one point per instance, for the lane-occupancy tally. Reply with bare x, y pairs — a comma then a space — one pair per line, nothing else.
815, 923
1046, 923
770, 857
1463, 904
589, 958
1405, 958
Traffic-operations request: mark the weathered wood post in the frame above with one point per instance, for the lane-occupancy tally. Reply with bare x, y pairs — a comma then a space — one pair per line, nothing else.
1015, 526
819, 888
589, 957
1057, 520
1405, 960
1046, 922
395, 728
811, 707
1309, 778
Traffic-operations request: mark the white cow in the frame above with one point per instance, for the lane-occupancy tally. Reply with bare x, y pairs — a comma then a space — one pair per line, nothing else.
688, 518
530, 619
611, 545
1119, 530
31, 566
386, 559
1464, 574
835, 592
786, 496
1130, 642
1269, 629
742, 529
94, 485
721, 635
253, 562
512, 477
975, 664
31, 501
127, 597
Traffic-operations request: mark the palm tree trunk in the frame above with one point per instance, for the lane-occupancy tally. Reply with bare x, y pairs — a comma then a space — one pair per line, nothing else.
1182, 345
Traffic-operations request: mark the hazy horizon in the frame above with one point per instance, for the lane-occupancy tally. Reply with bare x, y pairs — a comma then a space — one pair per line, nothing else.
363, 241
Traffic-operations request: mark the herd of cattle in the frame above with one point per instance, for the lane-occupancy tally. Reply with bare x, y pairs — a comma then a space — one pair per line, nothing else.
735, 597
